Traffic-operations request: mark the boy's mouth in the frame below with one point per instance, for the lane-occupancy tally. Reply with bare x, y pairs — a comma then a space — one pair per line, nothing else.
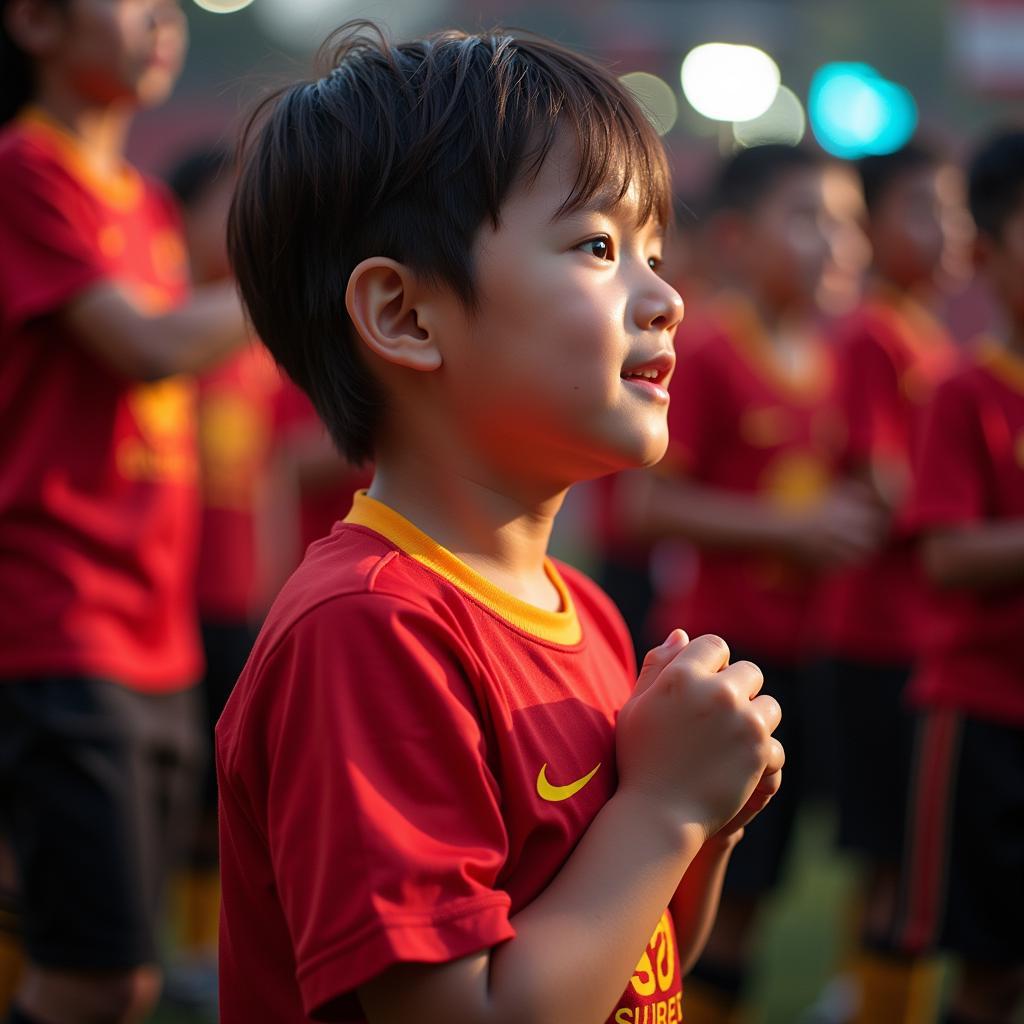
655, 370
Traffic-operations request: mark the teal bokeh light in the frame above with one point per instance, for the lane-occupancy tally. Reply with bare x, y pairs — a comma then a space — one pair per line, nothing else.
855, 112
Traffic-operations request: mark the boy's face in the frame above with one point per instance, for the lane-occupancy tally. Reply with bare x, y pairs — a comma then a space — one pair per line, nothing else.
568, 307
122, 50
1002, 261
784, 247
920, 229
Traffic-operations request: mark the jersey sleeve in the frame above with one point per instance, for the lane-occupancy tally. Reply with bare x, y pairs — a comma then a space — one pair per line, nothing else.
384, 820
49, 238
698, 400
949, 484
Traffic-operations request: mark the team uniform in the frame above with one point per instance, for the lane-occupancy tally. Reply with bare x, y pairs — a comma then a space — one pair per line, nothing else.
98, 501
963, 878
893, 354
738, 423
407, 761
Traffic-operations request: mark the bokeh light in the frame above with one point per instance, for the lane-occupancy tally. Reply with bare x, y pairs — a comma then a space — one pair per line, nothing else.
222, 6
783, 122
856, 112
727, 82
655, 97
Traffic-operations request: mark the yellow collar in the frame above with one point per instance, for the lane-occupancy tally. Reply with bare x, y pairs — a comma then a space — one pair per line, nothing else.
561, 627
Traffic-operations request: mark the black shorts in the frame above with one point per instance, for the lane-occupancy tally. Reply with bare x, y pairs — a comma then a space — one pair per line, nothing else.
97, 786
756, 864
875, 735
962, 882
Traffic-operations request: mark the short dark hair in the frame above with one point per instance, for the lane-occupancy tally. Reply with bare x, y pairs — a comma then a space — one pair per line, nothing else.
16, 71
747, 177
405, 151
995, 181
879, 173
198, 170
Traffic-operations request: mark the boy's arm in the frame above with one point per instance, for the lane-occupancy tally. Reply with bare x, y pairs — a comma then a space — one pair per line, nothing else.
578, 943
146, 347
843, 527
978, 555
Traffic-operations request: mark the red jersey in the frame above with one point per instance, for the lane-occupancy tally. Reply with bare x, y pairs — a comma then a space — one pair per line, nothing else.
237, 408
406, 762
738, 422
98, 496
893, 354
971, 470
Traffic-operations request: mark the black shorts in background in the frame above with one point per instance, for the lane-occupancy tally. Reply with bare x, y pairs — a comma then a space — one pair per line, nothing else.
962, 882
97, 788
874, 738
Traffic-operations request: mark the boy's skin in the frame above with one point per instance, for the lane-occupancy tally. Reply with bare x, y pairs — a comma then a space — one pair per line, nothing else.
983, 555
473, 398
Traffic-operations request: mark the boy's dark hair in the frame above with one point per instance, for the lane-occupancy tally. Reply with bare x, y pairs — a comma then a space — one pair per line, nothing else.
879, 173
747, 177
405, 151
16, 79
197, 170
995, 181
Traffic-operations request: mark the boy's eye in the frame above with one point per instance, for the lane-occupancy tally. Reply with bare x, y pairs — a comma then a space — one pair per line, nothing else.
653, 262
599, 247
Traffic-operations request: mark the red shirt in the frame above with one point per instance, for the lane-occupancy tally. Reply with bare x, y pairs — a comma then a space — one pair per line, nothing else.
739, 423
98, 495
971, 470
390, 766
893, 354
237, 403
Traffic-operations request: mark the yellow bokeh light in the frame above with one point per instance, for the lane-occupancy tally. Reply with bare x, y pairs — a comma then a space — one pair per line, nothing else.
783, 122
655, 97
726, 82
222, 6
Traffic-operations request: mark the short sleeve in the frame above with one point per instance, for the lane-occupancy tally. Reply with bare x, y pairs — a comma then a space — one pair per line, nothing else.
383, 818
949, 484
698, 395
872, 402
49, 238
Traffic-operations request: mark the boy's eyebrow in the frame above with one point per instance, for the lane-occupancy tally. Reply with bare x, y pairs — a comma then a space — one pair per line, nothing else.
608, 201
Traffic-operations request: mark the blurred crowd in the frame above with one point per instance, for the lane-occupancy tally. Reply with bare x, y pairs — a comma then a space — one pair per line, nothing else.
846, 410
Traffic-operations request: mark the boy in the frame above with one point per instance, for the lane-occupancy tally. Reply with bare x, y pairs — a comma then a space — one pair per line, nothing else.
962, 887
98, 644
439, 799
750, 477
893, 352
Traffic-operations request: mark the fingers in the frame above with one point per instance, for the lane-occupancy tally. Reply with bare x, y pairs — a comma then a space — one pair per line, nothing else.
659, 657
745, 678
767, 709
708, 654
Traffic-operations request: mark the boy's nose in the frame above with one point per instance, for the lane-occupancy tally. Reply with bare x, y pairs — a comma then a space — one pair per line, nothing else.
659, 311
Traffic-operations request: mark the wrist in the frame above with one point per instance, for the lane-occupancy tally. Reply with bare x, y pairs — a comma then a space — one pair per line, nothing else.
679, 831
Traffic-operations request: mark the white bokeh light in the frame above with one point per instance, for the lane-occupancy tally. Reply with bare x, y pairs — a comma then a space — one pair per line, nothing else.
656, 99
727, 82
222, 6
783, 122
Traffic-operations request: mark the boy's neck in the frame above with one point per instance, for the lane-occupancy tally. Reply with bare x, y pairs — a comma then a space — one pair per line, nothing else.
101, 130
501, 534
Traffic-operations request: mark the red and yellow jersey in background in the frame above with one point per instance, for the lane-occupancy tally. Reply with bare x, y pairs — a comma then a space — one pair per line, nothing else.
741, 423
98, 474
971, 473
893, 354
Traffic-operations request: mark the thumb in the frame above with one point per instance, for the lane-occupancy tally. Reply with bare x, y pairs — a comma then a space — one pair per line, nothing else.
658, 658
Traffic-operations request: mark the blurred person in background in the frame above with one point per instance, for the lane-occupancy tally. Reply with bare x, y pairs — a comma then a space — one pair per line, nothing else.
893, 352
962, 880
239, 544
99, 650
751, 477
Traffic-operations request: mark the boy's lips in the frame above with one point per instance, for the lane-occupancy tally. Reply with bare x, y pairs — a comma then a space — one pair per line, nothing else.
654, 369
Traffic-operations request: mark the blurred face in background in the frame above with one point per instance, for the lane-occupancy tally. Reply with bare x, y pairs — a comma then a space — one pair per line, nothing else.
1001, 260
920, 229
846, 221
206, 226
103, 52
783, 248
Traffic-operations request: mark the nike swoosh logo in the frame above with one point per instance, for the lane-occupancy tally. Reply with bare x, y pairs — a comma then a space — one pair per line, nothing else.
554, 794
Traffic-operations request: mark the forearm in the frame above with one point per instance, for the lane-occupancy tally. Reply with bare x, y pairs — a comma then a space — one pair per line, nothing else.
576, 945
976, 556
713, 518
696, 900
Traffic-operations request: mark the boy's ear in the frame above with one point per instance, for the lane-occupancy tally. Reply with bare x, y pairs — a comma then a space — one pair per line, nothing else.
387, 304
34, 26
